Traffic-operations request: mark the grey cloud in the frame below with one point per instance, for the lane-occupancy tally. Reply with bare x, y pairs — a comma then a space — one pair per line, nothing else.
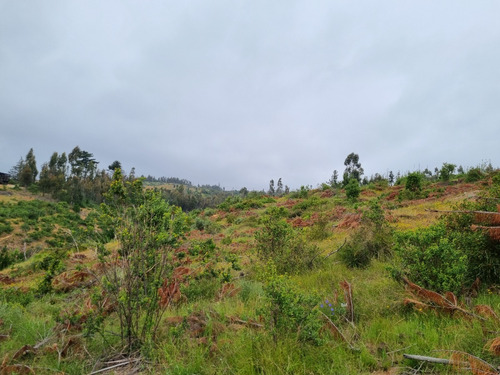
239, 92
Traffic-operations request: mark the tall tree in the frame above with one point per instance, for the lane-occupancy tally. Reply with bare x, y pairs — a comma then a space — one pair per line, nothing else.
114, 165
31, 162
353, 168
334, 179
26, 170
391, 178
279, 188
53, 174
82, 163
271, 187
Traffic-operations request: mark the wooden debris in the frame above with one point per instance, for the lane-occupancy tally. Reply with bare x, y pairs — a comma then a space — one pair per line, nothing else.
429, 299
348, 299
460, 361
495, 346
335, 330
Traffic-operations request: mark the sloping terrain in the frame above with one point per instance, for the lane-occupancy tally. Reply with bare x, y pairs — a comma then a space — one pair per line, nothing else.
227, 308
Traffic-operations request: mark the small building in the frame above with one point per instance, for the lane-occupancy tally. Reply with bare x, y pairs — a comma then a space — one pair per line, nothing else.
4, 178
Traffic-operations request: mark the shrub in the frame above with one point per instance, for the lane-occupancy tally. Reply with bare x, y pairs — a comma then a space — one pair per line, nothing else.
453, 253
352, 189
149, 230
431, 259
9, 257
278, 241
473, 175
414, 182
372, 239
289, 310
5, 228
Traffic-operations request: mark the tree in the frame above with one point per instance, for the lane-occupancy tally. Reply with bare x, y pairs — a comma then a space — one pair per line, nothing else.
391, 178
25, 171
279, 189
136, 276
333, 182
114, 165
271, 187
53, 174
31, 162
447, 171
82, 163
15, 171
243, 191
353, 168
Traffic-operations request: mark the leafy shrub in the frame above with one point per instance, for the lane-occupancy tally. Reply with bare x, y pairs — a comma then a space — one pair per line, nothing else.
414, 182
5, 228
319, 230
149, 231
431, 259
16, 295
201, 288
53, 266
278, 241
473, 175
452, 254
9, 257
299, 208
289, 310
352, 189
246, 203
372, 239
302, 193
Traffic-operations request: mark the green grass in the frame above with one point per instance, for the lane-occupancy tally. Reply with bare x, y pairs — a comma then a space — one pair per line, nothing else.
384, 328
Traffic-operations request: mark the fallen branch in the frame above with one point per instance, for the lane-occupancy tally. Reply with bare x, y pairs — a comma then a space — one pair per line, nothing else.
427, 359
336, 251
435, 300
463, 212
460, 360
124, 363
237, 320
337, 331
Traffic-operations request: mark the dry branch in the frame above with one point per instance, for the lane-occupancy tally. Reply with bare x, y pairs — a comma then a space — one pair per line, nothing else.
337, 250
464, 212
123, 363
337, 331
460, 361
429, 298
427, 359
348, 299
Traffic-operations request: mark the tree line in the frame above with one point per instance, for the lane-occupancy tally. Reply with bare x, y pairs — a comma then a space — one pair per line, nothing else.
74, 178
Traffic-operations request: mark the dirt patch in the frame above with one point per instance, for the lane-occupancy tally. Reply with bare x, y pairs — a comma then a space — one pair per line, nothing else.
350, 221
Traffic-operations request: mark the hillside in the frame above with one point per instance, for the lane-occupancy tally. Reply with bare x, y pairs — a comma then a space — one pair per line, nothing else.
311, 282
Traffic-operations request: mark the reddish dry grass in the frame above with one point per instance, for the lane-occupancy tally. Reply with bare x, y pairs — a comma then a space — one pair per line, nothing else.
351, 221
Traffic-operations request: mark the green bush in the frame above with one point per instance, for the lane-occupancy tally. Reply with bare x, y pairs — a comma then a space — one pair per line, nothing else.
5, 228
414, 182
352, 189
278, 241
16, 296
289, 310
373, 239
9, 257
473, 175
430, 258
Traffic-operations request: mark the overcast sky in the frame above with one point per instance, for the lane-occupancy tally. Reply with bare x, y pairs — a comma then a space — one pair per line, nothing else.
240, 92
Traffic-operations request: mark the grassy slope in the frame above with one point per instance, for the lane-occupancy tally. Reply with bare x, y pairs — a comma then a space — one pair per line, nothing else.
212, 339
